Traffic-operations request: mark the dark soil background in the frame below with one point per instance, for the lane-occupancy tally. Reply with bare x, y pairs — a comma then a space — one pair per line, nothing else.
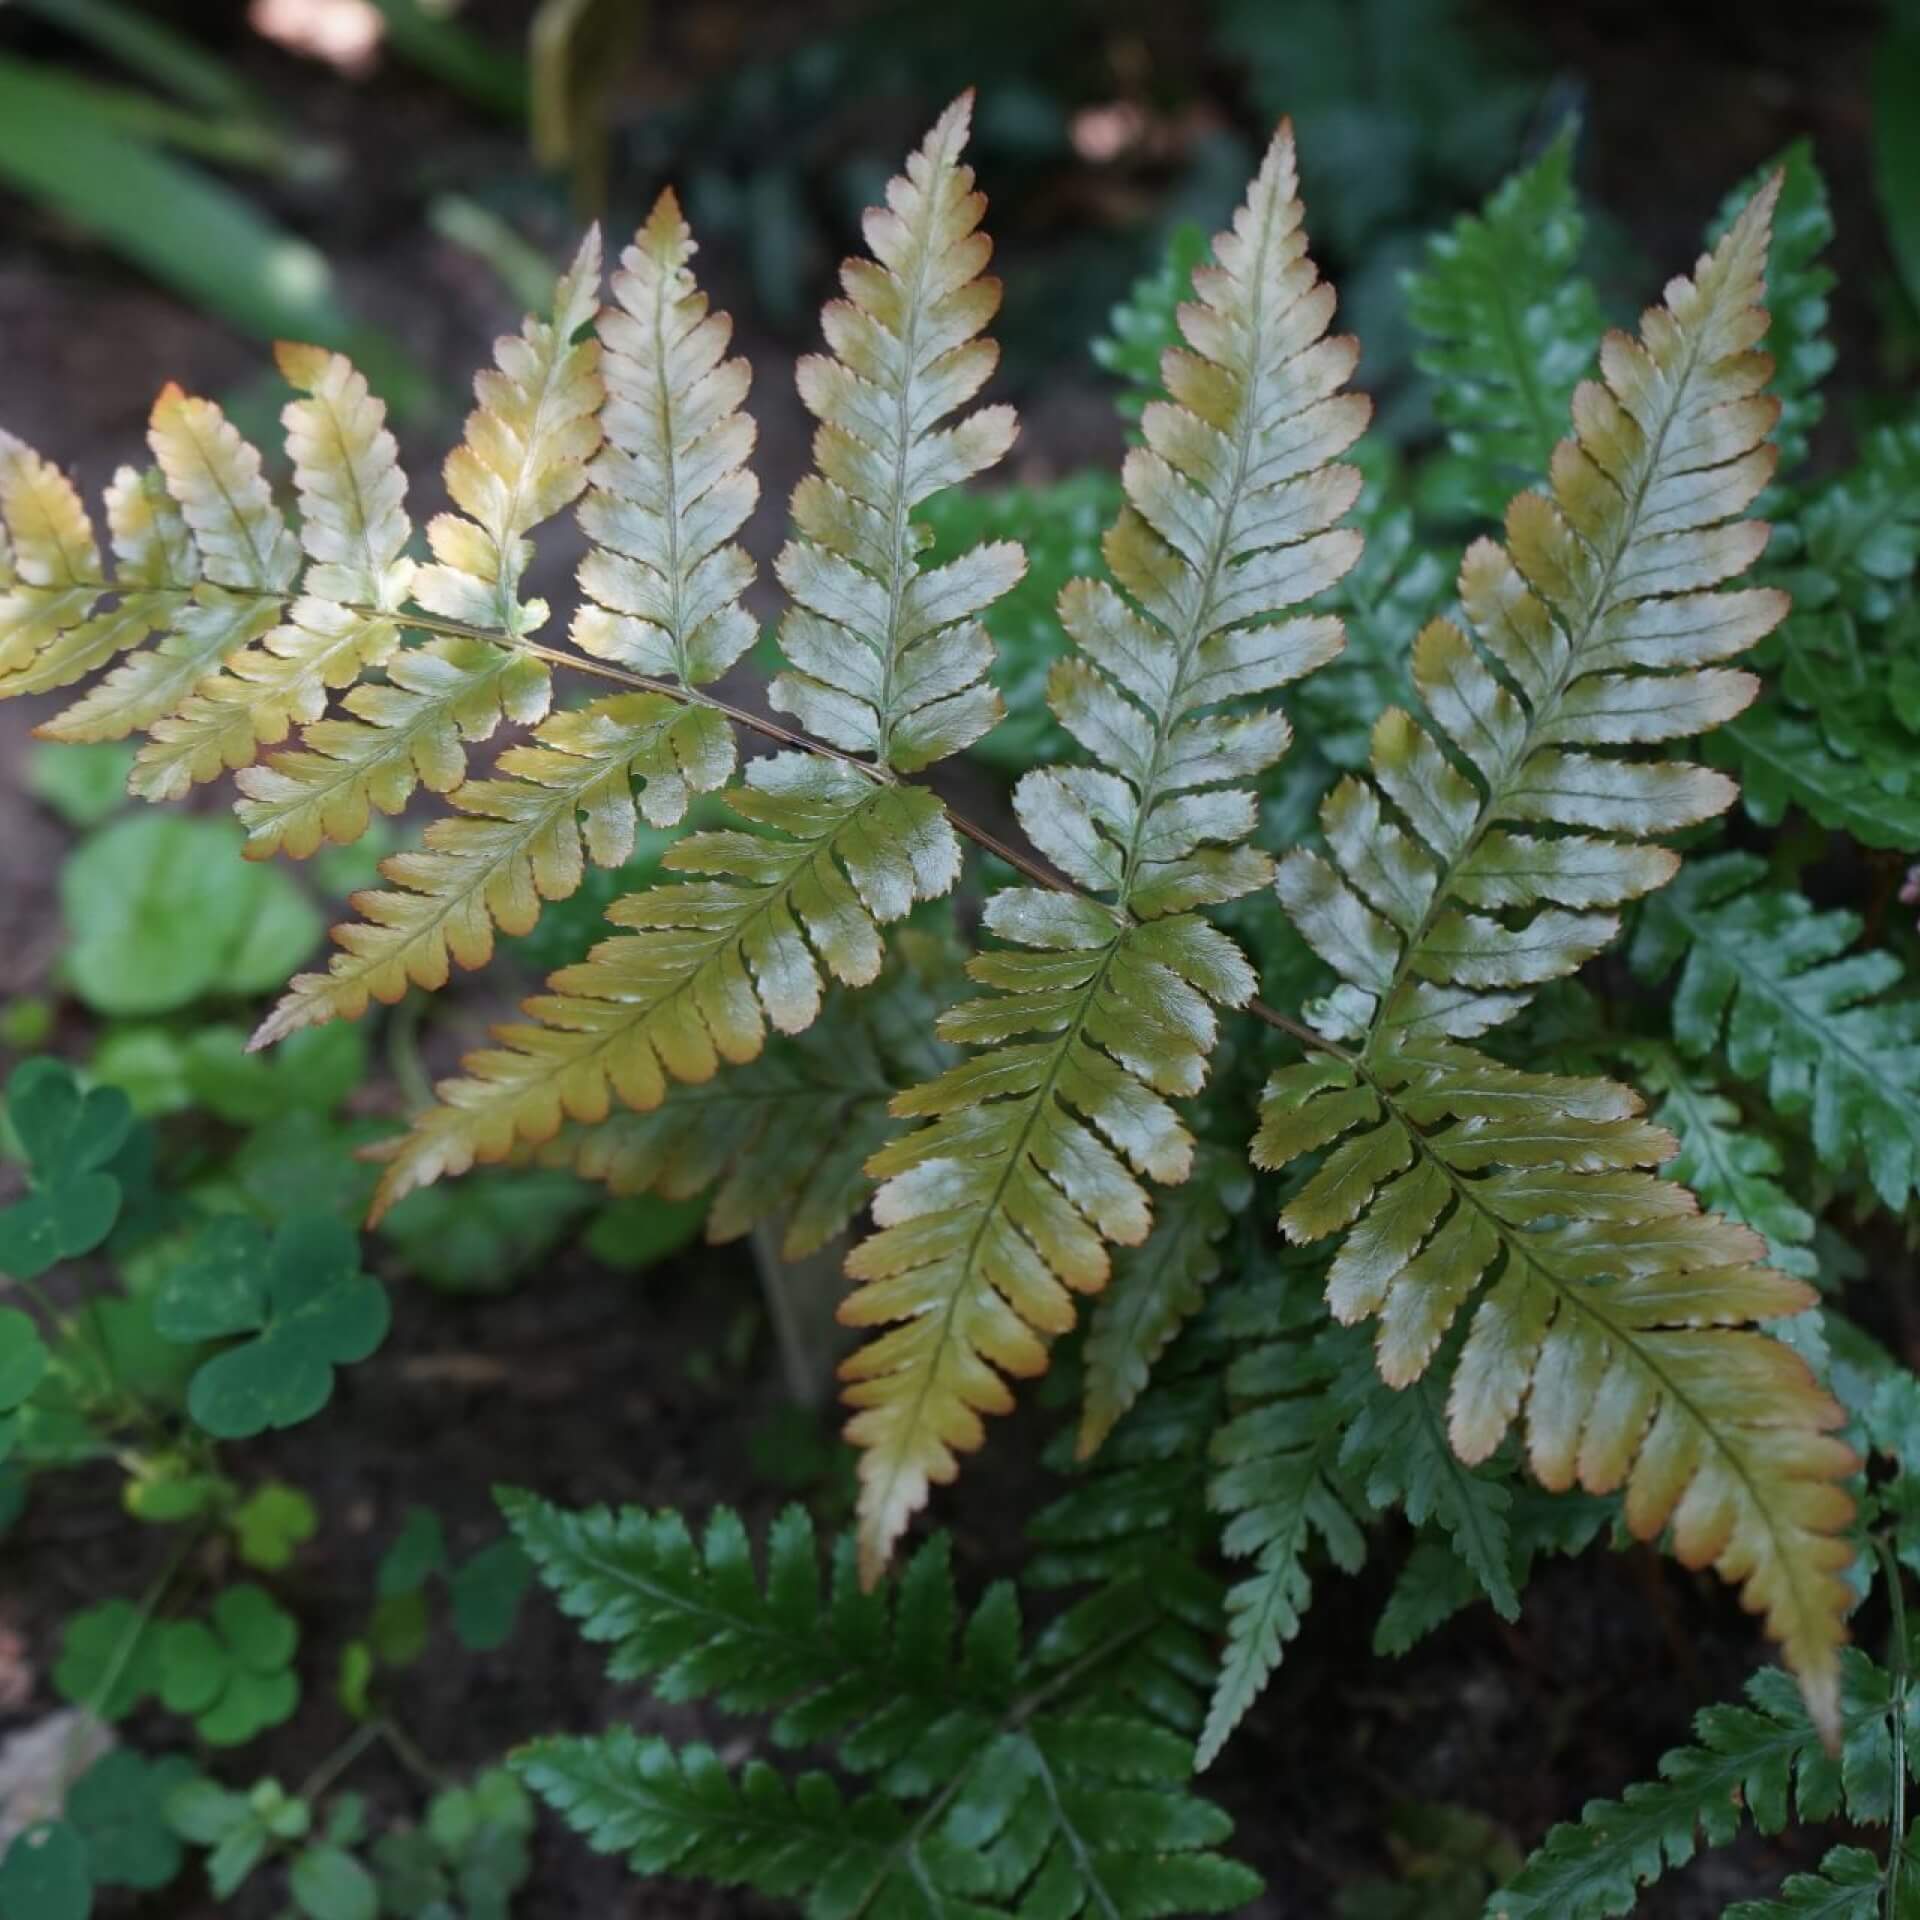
591, 1386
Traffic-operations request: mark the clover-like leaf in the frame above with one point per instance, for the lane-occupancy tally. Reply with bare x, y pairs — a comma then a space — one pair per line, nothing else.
107, 1659
233, 1676
69, 1137
23, 1364
119, 1807
303, 1303
271, 1524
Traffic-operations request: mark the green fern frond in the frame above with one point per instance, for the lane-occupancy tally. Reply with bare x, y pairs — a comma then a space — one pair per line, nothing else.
1435, 1582
1156, 1288
995, 1213
234, 583
1462, 1188
1059, 525
786, 1137
1277, 1481
1786, 759
1757, 1761
1396, 1447
681, 1811
708, 966
671, 488
1509, 325
1131, 1535
1851, 1885
1146, 322
888, 657
354, 529
1006, 1779
1770, 977
1733, 1168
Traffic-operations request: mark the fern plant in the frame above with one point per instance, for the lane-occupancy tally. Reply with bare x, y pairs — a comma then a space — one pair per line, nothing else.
1539, 1292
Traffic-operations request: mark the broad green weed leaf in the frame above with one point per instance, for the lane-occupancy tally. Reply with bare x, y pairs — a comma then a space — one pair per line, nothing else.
163, 913
487, 1592
44, 1875
418, 1552
108, 1660
328, 1883
119, 1808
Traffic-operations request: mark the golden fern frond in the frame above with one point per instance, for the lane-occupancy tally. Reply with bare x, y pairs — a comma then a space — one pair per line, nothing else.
887, 657
524, 458
355, 529
670, 489
1002, 1207
521, 838
708, 965
235, 581
1598, 1297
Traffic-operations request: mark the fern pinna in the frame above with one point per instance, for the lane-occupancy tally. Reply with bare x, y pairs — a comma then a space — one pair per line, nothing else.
1502, 1226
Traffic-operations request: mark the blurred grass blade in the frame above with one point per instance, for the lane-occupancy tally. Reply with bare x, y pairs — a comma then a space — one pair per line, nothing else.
190, 232
456, 57
1896, 143
228, 140
525, 272
154, 51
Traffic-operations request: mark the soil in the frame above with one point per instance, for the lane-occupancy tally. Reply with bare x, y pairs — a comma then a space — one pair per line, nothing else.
593, 1387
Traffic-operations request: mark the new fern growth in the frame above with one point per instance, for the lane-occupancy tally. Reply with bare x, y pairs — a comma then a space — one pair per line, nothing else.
1599, 1298
1502, 1227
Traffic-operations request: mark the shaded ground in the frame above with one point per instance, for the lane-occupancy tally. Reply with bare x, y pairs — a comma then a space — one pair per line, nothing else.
590, 1387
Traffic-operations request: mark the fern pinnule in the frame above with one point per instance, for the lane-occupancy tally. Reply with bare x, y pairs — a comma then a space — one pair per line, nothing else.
354, 529
1032, 1162
1599, 1297
889, 658
671, 487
